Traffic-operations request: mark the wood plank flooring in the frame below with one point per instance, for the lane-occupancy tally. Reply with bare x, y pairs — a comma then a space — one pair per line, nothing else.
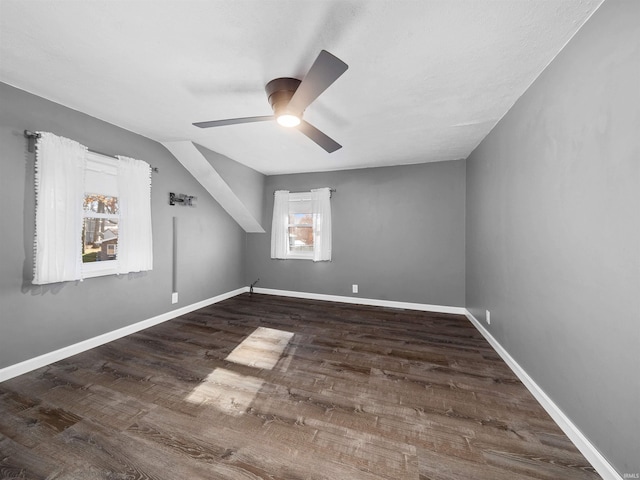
264, 387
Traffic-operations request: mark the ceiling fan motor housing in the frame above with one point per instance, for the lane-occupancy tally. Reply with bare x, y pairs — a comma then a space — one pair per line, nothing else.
280, 91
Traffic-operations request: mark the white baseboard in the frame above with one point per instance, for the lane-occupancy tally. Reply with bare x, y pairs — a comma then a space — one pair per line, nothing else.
363, 301
51, 357
591, 453
582, 443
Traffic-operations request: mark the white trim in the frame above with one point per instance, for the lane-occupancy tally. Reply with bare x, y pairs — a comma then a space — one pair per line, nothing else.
362, 301
591, 453
99, 269
298, 256
51, 357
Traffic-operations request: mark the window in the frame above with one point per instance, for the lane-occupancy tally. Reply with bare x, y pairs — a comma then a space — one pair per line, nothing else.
101, 216
99, 228
301, 227
93, 213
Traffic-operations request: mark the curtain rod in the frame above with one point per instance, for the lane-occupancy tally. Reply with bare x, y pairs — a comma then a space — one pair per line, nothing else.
33, 135
332, 190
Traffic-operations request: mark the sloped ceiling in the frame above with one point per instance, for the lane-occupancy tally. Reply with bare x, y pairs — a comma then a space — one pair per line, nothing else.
427, 80
202, 170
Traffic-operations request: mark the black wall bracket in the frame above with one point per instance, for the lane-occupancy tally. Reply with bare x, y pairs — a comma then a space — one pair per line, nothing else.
182, 199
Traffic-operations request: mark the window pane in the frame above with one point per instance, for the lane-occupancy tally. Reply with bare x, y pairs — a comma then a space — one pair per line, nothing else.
99, 239
300, 219
300, 239
100, 203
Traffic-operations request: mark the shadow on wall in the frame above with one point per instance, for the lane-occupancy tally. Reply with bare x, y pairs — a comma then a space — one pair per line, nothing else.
29, 224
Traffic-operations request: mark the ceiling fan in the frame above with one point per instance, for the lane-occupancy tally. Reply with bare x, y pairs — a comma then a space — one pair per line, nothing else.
289, 97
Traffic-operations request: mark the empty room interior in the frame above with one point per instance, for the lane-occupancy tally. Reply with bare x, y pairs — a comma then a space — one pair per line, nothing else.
320, 239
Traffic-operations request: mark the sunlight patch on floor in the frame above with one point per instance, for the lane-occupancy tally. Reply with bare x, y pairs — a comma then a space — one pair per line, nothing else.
232, 392
228, 391
262, 349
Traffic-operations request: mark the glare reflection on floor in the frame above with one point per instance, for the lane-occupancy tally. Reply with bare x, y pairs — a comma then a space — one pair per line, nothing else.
232, 392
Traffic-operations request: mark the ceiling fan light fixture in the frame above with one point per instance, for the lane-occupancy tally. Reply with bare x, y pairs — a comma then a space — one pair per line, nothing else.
289, 97
288, 120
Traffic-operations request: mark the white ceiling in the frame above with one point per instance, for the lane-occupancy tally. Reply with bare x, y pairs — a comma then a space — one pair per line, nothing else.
427, 80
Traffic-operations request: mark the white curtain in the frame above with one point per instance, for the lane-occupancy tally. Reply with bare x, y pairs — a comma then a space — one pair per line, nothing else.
280, 225
60, 167
321, 209
135, 242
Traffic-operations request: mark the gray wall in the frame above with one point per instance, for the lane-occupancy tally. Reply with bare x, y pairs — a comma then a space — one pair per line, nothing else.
39, 319
553, 231
246, 183
398, 232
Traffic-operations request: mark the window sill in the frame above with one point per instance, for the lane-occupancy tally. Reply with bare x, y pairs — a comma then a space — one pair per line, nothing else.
299, 257
99, 269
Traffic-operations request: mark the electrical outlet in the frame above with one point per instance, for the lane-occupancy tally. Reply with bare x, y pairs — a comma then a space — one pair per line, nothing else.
174, 297
488, 317
354, 288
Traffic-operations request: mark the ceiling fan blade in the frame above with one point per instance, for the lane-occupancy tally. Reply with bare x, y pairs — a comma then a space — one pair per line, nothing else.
326, 69
329, 144
233, 121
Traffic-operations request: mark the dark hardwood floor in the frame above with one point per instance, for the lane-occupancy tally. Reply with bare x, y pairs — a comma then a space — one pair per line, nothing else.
264, 387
